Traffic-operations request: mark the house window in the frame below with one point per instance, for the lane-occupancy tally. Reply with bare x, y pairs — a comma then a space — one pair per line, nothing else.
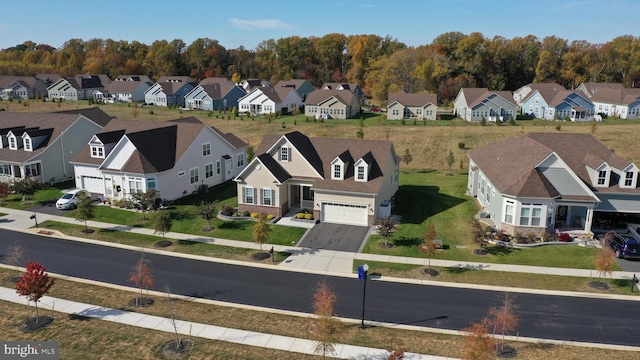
508, 212
628, 179
266, 197
151, 184
5, 169
530, 214
307, 193
218, 167
360, 173
135, 186
488, 193
602, 177
208, 170
206, 149
248, 195
284, 153
395, 112
240, 159
27, 144
97, 152
337, 171
193, 175
32, 169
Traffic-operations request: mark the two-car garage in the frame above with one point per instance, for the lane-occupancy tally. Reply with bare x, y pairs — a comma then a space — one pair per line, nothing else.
342, 213
93, 184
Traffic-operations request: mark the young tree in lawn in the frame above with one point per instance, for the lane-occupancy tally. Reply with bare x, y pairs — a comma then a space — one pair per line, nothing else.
142, 276
34, 283
502, 318
429, 247
208, 212
145, 200
386, 227
478, 343
179, 344
261, 230
326, 326
450, 159
605, 261
162, 223
16, 255
85, 211
4, 190
407, 157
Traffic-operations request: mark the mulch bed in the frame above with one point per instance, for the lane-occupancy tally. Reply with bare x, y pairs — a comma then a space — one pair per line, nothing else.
507, 352
141, 302
208, 228
599, 285
31, 325
430, 272
171, 350
385, 246
163, 244
45, 232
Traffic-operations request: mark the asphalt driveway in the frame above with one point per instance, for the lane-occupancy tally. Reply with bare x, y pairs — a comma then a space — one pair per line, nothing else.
336, 237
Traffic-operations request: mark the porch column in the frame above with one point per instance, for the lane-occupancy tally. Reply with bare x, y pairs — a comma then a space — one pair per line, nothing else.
589, 219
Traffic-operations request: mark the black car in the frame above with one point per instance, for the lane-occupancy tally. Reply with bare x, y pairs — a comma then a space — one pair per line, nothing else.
625, 246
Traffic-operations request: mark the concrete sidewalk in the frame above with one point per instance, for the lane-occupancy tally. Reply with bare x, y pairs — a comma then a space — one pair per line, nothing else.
306, 259
205, 331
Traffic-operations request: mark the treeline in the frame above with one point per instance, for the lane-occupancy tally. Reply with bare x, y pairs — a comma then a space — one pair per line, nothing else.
379, 64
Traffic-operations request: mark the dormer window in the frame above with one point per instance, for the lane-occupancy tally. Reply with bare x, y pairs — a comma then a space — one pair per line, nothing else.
360, 173
97, 151
337, 172
13, 143
284, 153
27, 144
630, 178
602, 177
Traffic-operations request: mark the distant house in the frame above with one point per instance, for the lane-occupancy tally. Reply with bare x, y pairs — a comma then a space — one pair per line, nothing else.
40, 145
404, 105
79, 87
553, 104
22, 87
176, 158
612, 99
126, 88
475, 104
249, 84
169, 91
301, 86
214, 96
346, 181
332, 104
269, 100
541, 182
525, 91
353, 87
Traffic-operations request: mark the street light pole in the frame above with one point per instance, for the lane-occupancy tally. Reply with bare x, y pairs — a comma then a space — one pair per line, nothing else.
362, 274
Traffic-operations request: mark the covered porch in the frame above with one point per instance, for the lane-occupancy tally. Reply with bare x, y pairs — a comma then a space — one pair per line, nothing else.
300, 195
573, 217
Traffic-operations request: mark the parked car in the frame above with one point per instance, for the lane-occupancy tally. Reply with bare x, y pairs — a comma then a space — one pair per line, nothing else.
70, 200
375, 109
624, 246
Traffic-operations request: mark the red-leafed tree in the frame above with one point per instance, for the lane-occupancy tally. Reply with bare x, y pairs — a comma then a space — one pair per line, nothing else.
142, 276
34, 283
326, 326
429, 247
478, 343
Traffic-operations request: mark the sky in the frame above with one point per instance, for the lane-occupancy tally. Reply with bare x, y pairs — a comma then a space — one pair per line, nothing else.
249, 22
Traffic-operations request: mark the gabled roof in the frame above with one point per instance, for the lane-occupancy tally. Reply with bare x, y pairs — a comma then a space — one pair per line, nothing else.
149, 157
317, 96
215, 80
413, 99
218, 90
561, 96
611, 93
29, 82
180, 79
475, 96
127, 84
272, 165
336, 85
48, 79
92, 81
94, 114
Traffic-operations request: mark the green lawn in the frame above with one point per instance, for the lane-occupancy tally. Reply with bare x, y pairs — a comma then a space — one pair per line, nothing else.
48, 194
427, 197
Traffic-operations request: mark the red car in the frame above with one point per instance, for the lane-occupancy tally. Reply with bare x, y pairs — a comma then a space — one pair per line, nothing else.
375, 109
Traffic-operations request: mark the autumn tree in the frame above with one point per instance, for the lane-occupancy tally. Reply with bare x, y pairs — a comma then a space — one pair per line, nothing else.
162, 223
141, 275
450, 159
85, 211
429, 247
4, 190
326, 327
502, 318
407, 157
34, 284
261, 230
605, 261
386, 227
145, 200
477, 344
208, 212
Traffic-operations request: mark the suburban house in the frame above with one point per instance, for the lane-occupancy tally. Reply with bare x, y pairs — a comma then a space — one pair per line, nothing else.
214, 96
176, 158
613, 99
249, 84
353, 87
126, 88
404, 105
526, 90
22, 87
79, 87
546, 182
48, 79
301, 86
557, 105
343, 181
269, 100
475, 104
169, 91
40, 145
332, 104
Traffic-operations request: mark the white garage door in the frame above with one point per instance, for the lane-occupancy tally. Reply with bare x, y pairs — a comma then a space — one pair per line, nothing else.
93, 184
351, 214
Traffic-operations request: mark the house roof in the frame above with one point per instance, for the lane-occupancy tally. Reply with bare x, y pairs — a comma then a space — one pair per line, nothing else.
214, 80
610, 93
54, 123
335, 85
123, 85
515, 174
561, 96
218, 90
94, 114
475, 96
48, 79
29, 82
320, 152
92, 81
272, 165
413, 99
317, 96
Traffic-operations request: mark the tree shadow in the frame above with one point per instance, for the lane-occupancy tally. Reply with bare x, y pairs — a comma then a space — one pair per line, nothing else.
621, 283
403, 241
457, 270
418, 203
186, 242
232, 225
500, 250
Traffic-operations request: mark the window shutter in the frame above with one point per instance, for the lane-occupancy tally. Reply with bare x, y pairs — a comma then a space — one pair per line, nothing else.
244, 195
273, 197
289, 154
261, 197
280, 153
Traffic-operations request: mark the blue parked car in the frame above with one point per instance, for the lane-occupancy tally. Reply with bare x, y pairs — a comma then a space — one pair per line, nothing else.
625, 246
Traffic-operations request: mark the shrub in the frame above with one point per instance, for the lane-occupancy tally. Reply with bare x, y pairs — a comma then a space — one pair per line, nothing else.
308, 216
246, 213
461, 145
558, 127
270, 217
565, 237
150, 112
300, 215
254, 214
226, 210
